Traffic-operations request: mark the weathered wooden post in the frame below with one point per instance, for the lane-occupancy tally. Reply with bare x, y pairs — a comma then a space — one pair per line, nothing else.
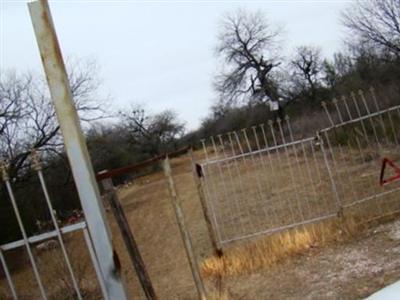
184, 231
197, 176
129, 240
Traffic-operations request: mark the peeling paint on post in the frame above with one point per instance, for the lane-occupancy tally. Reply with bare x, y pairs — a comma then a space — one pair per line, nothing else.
75, 145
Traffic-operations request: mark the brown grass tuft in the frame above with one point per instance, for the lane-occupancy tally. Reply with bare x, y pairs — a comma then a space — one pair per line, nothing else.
247, 258
218, 296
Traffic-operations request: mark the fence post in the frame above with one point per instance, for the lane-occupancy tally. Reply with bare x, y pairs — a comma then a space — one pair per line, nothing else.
197, 174
183, 229
129, 240
75, 145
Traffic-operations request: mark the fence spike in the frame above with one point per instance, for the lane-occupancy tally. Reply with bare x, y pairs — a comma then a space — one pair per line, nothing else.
344, 99
4, 170
35, 159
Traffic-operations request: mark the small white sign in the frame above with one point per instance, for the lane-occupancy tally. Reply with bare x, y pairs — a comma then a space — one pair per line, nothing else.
273, 105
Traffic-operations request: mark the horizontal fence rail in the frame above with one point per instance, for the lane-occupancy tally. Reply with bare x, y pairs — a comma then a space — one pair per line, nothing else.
261, 180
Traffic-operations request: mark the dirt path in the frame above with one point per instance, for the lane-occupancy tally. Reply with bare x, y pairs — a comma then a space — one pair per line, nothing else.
347, 270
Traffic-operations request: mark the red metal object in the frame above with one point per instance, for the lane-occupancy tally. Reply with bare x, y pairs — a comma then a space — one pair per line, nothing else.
385, 162
132, 168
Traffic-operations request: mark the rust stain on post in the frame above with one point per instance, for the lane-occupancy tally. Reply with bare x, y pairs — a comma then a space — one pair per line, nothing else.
75, 145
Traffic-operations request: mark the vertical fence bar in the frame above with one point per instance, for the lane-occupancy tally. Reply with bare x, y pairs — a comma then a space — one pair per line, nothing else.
271, 126
299, 168
314, 155
260, 193
346, 105
279, 195
246, 166
372, 91
263, 197
260, 155
203, 143
237, 168
96, 264
349, 146
264, 167
129, 239
292, 176
184, 231
36, 164
393, 129
236, 196
197, 176
361, 93
310, 177
354, 98
324, 106
6, 179
8, 276
221, 173
330, 174
216, 152
75, 145
335, 103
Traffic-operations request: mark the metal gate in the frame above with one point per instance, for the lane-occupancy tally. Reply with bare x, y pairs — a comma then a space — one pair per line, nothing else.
42, 246
262, 180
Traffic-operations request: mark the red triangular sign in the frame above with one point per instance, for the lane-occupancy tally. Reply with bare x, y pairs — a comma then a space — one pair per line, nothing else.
394, 177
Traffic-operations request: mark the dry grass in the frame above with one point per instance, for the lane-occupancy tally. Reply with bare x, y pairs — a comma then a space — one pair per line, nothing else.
219, 296
55, 276
270, 250
152, 220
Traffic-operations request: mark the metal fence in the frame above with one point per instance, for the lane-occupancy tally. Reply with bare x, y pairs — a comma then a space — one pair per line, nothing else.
262, 180
53, 242
99, 243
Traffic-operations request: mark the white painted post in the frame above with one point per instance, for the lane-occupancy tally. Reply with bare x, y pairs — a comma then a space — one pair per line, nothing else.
75, 145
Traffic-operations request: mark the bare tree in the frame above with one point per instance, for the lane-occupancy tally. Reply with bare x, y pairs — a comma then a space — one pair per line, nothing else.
14, 96
249, 46
374, 23
27, 116
153, 134
307, 70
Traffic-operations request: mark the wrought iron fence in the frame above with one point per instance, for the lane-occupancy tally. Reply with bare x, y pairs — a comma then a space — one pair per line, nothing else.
56, 235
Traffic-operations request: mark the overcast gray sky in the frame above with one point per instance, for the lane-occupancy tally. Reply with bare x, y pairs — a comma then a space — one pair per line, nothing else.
158, 52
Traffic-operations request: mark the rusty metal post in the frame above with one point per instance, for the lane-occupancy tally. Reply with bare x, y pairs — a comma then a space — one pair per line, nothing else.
184, 231
75, 145
128, 237
197, 175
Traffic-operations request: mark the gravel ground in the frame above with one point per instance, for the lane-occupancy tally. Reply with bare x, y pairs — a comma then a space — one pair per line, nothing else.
346, 270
